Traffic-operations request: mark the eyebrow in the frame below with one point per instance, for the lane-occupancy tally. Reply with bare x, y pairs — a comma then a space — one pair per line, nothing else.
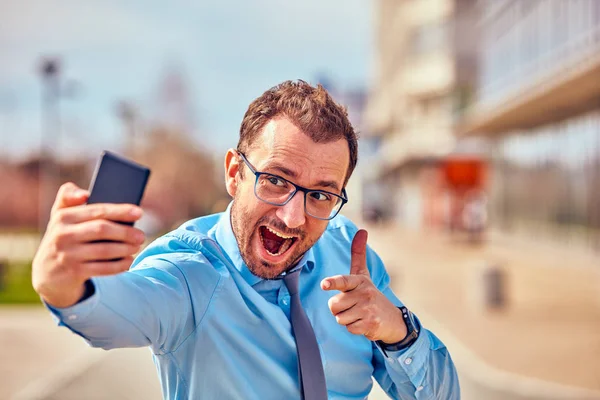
322, 183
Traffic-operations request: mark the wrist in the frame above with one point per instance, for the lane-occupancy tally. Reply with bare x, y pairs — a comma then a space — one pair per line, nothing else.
412, 333
398, 332
66, 297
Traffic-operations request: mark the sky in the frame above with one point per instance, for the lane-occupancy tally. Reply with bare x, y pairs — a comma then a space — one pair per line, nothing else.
228, 51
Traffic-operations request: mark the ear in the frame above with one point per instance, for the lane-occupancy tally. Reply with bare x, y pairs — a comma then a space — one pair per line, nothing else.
232, 167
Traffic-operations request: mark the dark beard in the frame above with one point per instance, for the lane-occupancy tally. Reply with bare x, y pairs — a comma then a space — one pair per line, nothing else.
244, 235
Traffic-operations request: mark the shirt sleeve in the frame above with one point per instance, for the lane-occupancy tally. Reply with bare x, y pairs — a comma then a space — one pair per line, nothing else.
150, 305
422, 371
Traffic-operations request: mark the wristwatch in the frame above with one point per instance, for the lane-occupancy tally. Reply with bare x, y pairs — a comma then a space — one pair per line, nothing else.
411, 336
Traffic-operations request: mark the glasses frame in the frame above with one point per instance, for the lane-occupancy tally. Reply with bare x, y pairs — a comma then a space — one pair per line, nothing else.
297, 188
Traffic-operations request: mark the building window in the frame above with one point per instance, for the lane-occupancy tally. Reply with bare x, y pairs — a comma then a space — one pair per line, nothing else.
528, 39
548, 181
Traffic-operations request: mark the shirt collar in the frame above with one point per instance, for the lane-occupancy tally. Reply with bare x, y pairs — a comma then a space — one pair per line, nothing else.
227, 241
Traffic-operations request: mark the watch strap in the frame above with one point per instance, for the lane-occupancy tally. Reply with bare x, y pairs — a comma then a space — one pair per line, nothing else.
412, 334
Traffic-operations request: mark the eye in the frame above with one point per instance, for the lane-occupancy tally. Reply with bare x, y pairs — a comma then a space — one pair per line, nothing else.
320, 196
275, 181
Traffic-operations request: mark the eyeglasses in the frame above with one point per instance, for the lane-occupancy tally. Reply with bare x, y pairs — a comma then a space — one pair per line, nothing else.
278, 191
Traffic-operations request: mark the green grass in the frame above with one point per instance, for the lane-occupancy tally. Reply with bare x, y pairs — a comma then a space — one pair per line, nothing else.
16, 286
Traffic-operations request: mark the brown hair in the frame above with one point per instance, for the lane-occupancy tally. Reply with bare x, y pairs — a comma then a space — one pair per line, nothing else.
310, 108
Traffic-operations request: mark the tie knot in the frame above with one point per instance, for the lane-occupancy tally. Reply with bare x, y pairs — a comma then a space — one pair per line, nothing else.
291, 281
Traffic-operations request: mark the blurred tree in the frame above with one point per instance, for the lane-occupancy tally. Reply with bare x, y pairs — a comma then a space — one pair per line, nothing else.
175, 105
183, 183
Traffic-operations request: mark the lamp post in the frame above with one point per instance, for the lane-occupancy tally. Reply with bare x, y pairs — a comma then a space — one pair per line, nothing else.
49, 172
128, 115
7, 106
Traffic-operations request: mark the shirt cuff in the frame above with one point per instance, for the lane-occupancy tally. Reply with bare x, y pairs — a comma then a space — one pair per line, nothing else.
80, 310
410, 360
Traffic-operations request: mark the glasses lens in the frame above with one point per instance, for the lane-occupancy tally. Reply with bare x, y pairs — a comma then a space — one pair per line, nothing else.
277, 191
323, 205
273, 189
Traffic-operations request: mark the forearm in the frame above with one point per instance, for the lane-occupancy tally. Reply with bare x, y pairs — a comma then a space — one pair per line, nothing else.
147, 306
99, 322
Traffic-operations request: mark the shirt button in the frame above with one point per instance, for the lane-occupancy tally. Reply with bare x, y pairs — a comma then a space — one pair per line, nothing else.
408, 361
419, 388
72, 317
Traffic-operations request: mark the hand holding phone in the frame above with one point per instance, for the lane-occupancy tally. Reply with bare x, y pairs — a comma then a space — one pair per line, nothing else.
84, 239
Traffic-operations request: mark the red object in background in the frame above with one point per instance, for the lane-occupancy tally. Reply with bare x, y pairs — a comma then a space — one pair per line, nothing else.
464, 177
465, 173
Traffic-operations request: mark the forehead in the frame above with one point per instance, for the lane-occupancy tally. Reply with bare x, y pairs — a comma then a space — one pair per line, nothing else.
282, 144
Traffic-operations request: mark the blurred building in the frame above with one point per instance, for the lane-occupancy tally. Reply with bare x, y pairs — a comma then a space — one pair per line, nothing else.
21, 185
354, 100
539, 106
426, 66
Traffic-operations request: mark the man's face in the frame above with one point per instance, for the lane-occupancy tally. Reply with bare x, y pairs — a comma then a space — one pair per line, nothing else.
272, 238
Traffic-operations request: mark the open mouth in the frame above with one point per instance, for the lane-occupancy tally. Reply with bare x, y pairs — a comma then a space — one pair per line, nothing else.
275, 243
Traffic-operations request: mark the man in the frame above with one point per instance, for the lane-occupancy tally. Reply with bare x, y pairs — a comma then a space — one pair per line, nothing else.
218, 300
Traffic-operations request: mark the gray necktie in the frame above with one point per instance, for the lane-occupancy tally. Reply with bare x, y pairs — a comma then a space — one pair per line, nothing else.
312, 377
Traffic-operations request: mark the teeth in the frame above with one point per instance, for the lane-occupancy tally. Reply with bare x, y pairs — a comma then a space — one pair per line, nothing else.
279, 234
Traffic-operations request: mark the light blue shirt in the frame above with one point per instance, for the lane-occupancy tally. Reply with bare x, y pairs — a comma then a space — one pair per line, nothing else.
217, 331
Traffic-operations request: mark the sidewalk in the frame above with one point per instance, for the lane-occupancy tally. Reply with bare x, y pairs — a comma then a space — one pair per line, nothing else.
41, 361
550, 329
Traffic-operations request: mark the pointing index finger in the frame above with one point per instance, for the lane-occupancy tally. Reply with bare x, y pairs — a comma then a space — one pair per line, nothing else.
358, 262
343, 283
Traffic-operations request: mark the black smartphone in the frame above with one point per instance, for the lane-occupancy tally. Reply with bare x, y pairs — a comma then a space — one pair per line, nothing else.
118, 180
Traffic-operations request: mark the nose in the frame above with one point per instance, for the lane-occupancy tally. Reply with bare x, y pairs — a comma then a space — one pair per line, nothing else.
292, 213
